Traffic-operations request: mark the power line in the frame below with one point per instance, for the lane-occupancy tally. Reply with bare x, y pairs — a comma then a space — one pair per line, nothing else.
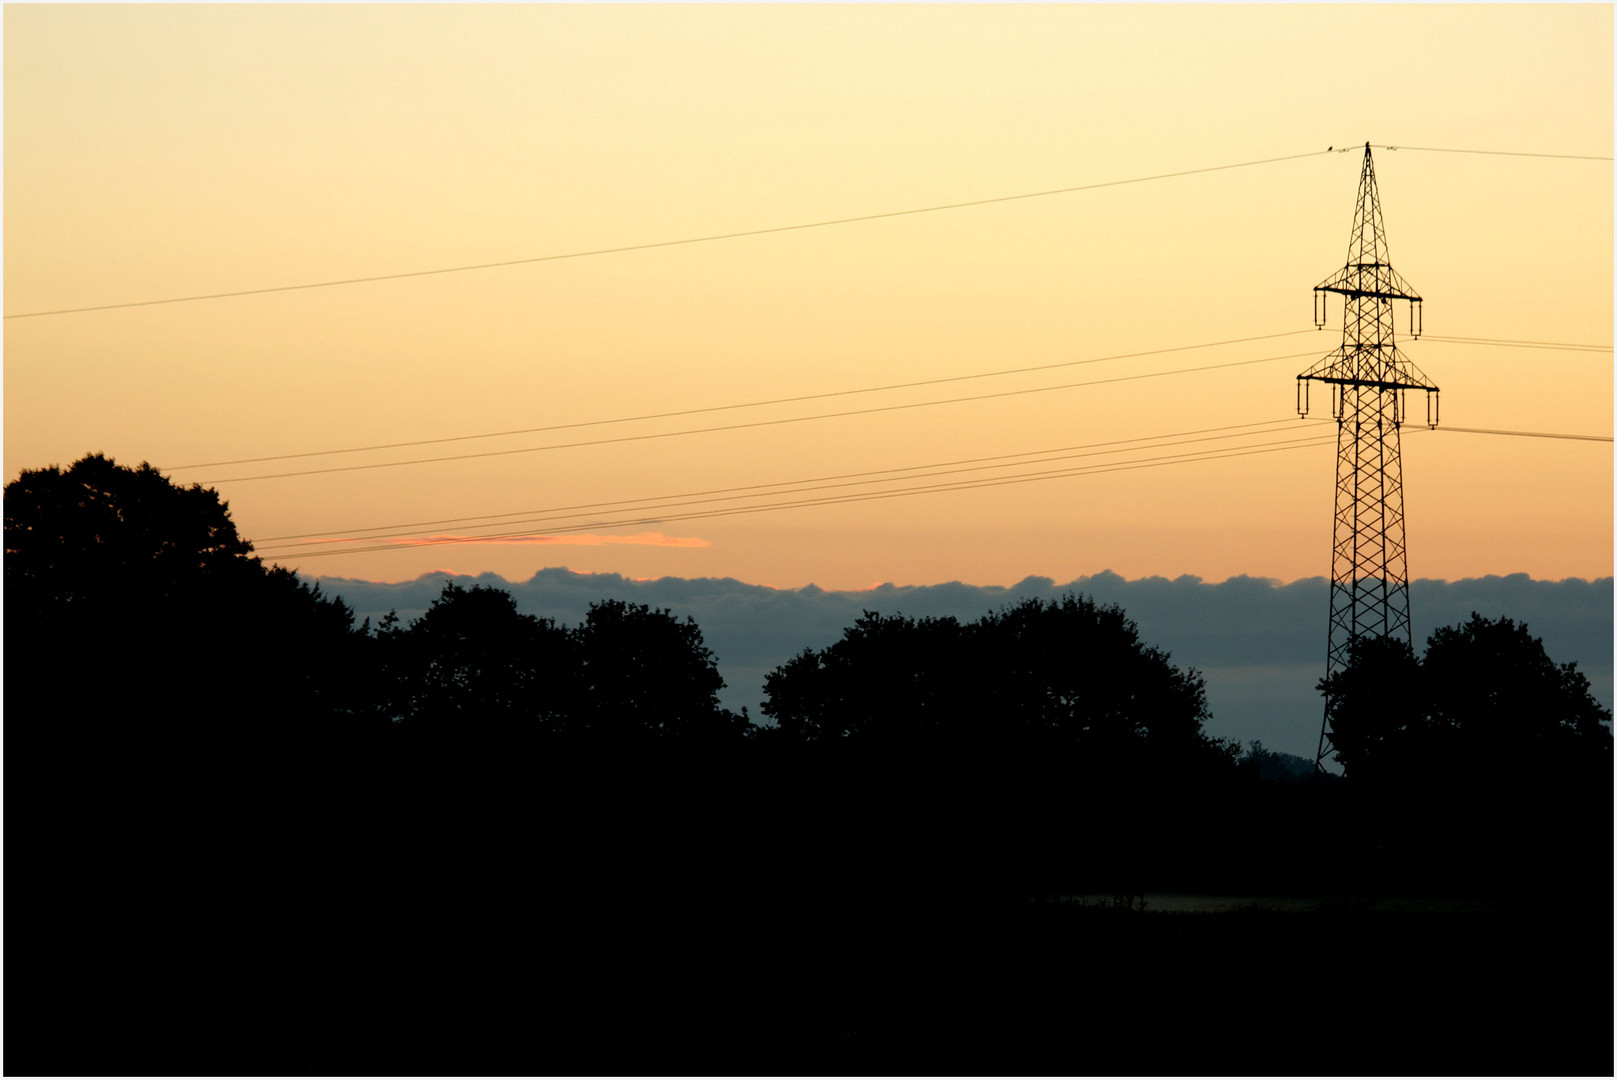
659, 516
756, 423
727, 408
967, 485
658, 505
1566, 346
756, 491
658, 508
404, 444
659, 243
786, 483
1499, 153
1527, 434
753, 232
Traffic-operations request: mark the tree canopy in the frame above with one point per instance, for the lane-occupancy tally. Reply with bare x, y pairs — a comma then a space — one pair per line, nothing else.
647, 675
132, 587
627, 675
1486, 701
99, 533
473, 660
1067, 675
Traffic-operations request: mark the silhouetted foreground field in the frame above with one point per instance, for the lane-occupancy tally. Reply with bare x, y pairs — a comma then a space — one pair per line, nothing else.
245, 836
882, 991
450, 912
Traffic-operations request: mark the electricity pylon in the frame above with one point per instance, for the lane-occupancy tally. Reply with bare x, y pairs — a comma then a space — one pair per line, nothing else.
1369, 379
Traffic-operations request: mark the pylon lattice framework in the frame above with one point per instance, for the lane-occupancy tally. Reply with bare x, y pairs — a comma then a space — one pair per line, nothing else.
1369, 379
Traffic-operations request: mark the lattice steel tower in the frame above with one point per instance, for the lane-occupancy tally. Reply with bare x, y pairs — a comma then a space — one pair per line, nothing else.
1369, 379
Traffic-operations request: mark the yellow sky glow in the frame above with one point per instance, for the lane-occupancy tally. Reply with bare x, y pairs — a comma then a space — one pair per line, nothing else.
577, 540
157, 151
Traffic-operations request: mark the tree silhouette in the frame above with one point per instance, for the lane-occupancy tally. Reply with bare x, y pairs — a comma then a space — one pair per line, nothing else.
117, 579
1506, 705
993, 757
1078, 675
1380, 723
85, 539
647, 677
1483, 764
1486, 700
473, 661
179, 715
890, 679
1066, 675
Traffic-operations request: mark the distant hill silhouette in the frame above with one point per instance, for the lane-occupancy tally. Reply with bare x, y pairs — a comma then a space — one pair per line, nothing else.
1272, 766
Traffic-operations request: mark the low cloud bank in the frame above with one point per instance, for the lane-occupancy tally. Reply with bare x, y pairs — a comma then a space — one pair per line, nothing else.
1259, 643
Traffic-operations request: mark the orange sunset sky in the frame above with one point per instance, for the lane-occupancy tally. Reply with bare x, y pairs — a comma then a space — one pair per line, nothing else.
159, 152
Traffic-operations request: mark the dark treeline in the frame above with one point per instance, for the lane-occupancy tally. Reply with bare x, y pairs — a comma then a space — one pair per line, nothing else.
247, 835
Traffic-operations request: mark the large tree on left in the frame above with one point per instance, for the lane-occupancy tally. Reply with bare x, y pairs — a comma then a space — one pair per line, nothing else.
132, 604
178, 782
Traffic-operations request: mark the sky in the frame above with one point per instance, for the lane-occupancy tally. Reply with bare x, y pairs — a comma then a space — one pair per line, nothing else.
169, 151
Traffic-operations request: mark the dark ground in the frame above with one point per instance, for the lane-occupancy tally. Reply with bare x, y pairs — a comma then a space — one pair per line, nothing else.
431, 913
1045, 990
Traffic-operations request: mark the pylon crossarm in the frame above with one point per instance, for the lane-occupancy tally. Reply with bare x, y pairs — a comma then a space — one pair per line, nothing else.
1408, 370
1379, 280
1368, 364
1378, 384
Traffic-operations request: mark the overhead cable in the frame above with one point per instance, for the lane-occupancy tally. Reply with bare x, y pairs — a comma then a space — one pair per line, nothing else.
794, 487
404, 444
728, 408
658, 243
966, 485
1498, 153
753, 232
654, 514
757, 423
1527, 434
1565, 346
